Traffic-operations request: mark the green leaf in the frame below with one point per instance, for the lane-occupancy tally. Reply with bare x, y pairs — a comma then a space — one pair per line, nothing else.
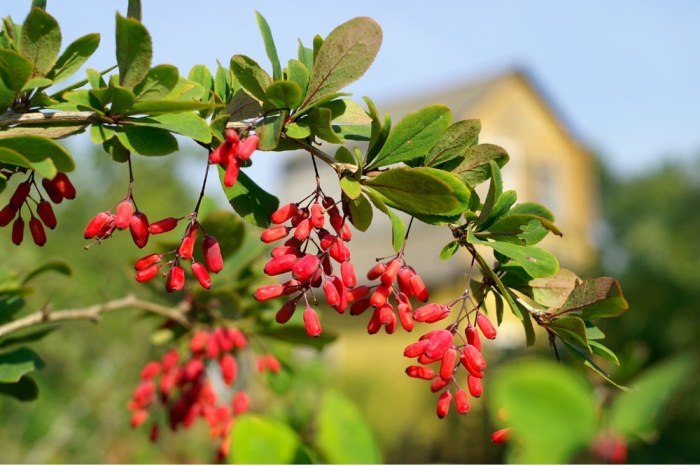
270, 131
156, 107
352, 123
187, 124
202, 76
283, 94
269, 46
35, 83
449, 250
537, 262
122, 100
454, 142
7, 97
52, 266
603, 351
319, 122
500, 208
158, 83
344, 56
116, 150
242, 107
187, 91
299, 74
73, 57
495, 190
421, 191
15, 364
15, 70
146, 140
222, 82
529, 227
45, 155
262, 440
134, 51
551, 410
251, 202
296, 335
297, 131
379, 131
343, 155
595, 299
398, 228
30, 337
25, 389
414, 136
251, 76
351, 187
553, 291
571, 330
474, 168
344, 435
534, 209
360, 212
638, 411
305, 56
40, 40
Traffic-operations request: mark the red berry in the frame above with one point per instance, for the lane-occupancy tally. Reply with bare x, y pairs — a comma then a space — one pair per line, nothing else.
37, 231
231, 175
347, 271
473, 359
376, 271
163, 226
428, 313
473, 336
229, 368
359, 306
438, 384
286, 312
331, 293
138, 227
7, 214
272, 234
317, 218
154, 433
52, 191
419, 289
138, 418
406, 315
486, 326
389, 274
303, 229
415, 349
438, 343
231, 135
501, 435
443, 405
267, 292
280, 265
284, 213
357, 293
147, 273
64, 186
20, 194
18, 231
447, 365
311, 322
241, 403
46, 214
201, 274
404, 280
212, 254
247, 146
150, 370
147, 261
462, 401
339, 251
475, 386
125, 210
175, 280
420, 372
305, 267
199, 341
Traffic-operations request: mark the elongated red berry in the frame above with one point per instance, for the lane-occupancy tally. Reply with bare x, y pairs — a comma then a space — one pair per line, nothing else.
303, 230
341, 227
376, 271
18, 231
462, 401
201, 274
379, 296
475, 386
280, 265
360, 306
20, 194
406, 315
272, 234
64, 185
7, 214
428, 312
347, 271
447, 365
267, 292
138, 418
284, 213
247, 146
125, 210
473, 336
420, 372
286, 312
231, 175
175, 280
229, 368
52, 191
147, 273
404, 280
486, 326
389, 274
438, 343
46, 214
186, 247
163, 226
37, 231
311, 322
443, 404
147, 261
419, 289
501, 435
317, 216
94, 227
305, 267
331, 293
212, 254
473, 358
231, 136
138, 227
241, 403
357, 293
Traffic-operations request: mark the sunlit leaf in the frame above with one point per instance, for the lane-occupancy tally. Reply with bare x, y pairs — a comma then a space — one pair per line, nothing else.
40, 40
454, 142
270, 48
134, 51
73, 57
262, 440
253, 204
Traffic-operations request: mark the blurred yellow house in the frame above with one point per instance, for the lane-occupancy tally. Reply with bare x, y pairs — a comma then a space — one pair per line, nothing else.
547, 165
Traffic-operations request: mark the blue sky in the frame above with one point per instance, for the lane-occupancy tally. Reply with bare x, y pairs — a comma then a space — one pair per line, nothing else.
623, 74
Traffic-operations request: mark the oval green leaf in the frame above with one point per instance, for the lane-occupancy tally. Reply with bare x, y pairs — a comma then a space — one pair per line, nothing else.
40, 40
134, 51
262, 440
74, 56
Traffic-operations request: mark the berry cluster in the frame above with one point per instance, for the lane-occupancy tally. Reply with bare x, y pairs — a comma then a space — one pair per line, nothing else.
183, 389
309, 255
231, 153
398, 281
57, 189
439, 347
148, 266
103, 225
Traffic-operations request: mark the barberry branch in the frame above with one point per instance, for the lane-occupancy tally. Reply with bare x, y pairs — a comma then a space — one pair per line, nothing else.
54, 118
94, 313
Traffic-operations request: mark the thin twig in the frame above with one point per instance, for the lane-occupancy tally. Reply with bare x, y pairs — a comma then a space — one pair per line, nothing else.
93, 313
